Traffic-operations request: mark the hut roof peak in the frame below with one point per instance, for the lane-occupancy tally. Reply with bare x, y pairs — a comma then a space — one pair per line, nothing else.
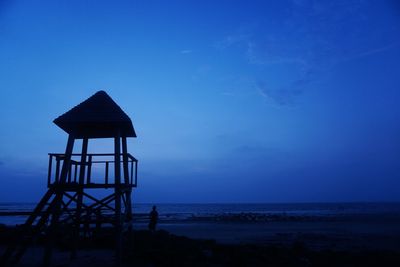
96, 117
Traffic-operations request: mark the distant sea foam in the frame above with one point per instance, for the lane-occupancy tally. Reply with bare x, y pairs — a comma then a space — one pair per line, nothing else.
181, 211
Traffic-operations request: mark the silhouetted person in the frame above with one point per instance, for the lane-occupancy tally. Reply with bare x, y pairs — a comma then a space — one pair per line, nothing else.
153, 219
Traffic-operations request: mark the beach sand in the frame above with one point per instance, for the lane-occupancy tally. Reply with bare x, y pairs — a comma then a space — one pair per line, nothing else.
314, 234
344, 242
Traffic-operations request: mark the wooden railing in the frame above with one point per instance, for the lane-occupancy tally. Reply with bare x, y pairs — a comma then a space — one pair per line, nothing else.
98, 171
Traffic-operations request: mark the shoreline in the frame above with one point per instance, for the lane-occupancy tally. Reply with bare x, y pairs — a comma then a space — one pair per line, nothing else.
344, 233
340, 232
250, 238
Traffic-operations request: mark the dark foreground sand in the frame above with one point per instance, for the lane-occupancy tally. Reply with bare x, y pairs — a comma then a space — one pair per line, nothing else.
275, 243
315, 235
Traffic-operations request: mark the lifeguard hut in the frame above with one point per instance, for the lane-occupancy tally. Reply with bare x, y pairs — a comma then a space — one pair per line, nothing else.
71, 201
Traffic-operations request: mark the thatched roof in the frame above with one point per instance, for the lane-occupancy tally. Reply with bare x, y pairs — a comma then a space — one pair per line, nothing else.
96, 117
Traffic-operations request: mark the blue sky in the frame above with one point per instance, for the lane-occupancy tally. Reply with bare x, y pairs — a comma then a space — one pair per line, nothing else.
232, 101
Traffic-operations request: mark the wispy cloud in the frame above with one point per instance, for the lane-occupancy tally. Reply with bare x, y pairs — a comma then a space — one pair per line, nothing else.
370, 52
186, 51
281, 96
312, 38
228, 94
240, 37
257, 53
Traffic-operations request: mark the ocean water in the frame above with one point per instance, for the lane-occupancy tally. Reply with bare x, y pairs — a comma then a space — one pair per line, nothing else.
184, 211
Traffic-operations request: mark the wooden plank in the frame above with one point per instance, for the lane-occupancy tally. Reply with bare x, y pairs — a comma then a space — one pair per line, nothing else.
37, 229
36, 212
99, 202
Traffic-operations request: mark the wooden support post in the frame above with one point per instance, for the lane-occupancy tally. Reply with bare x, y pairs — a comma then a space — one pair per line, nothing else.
128, 207
57, 178
125, 160
128, 204
89, 171
106, 178
49, 171
79, 198
58, 199
118, 219
75, 172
